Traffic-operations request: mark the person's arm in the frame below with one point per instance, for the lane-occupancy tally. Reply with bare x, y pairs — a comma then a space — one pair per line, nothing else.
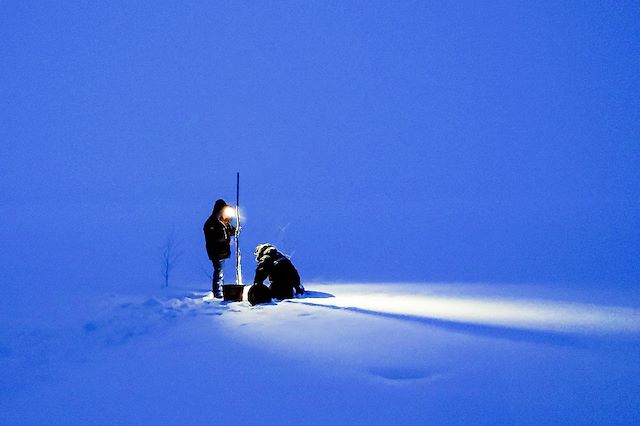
262, 270
230, 229
213, 234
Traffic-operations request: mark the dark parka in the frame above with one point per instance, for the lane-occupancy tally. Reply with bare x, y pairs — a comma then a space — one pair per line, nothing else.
281, 273
217, 234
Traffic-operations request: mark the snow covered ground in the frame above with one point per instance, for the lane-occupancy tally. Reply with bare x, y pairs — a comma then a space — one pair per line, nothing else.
344, 354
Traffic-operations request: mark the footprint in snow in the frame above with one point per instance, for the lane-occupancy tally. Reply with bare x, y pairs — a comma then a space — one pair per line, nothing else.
400, 374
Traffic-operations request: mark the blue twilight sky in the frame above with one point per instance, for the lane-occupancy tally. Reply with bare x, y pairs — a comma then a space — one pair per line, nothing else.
376, 140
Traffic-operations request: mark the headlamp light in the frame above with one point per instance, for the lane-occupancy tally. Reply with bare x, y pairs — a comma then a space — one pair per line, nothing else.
228, 212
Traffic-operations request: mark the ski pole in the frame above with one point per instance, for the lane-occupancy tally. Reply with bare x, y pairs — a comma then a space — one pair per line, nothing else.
238, 265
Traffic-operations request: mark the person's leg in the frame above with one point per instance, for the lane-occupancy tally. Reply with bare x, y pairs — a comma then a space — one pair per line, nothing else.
218, 278
281, 291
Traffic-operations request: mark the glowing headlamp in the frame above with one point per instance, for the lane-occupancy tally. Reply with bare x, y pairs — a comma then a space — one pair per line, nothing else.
228, 212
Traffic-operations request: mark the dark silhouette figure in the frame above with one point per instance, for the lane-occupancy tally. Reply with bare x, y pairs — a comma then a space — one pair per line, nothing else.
282, 275
217, 234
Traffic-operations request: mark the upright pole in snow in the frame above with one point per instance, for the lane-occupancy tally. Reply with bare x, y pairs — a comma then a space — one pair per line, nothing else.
238, 266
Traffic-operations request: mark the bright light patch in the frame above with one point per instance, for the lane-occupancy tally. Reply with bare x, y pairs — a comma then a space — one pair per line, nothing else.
228, 212
501, 312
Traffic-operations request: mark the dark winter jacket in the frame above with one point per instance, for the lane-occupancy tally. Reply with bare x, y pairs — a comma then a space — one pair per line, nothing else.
281, 273
217, 234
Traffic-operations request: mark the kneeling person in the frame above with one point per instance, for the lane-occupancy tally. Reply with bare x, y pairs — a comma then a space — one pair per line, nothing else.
275, 266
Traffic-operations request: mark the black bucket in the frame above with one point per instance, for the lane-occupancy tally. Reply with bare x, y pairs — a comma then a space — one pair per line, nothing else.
232, 292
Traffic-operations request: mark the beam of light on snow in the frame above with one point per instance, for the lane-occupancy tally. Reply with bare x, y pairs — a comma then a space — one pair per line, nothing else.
538, 315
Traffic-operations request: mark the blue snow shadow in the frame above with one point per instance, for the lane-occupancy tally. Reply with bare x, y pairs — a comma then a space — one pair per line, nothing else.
197, 295
310, 294
403, 374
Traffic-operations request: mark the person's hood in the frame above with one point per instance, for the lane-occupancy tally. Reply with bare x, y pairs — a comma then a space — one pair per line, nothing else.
218, 206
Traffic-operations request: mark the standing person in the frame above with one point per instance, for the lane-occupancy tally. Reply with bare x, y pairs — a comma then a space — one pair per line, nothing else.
283, 276
217, 234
